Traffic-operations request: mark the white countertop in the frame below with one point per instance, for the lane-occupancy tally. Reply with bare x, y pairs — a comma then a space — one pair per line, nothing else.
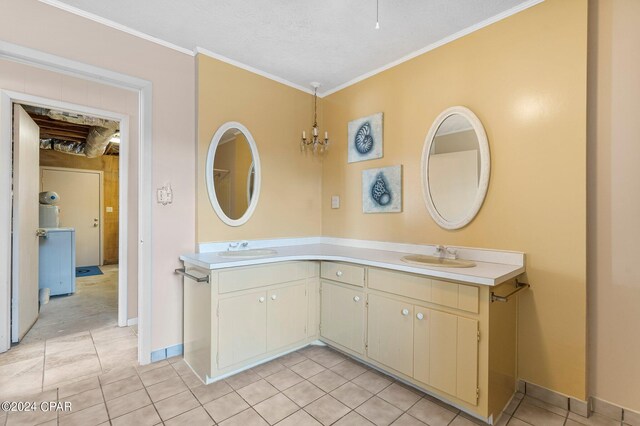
484, 273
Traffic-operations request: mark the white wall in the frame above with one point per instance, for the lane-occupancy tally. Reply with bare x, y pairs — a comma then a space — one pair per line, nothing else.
39, 26
614, 202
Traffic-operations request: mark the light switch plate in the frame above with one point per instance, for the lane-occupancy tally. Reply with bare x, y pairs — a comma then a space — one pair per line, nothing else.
109, 209
335, 201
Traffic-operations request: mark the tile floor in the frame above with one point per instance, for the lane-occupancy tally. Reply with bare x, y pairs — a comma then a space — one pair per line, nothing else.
313, 386
94, 305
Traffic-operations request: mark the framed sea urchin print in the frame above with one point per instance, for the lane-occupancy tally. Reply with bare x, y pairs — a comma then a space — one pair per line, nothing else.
365, 138
382, 190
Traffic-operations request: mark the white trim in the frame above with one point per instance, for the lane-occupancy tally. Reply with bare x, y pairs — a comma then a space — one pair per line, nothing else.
100, 174
211, 190
485, 168
131, 321
10, 97
143, 87
435, 45
115, 25
203, 51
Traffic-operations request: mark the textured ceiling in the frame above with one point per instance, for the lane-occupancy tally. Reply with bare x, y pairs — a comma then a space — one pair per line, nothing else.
330, 41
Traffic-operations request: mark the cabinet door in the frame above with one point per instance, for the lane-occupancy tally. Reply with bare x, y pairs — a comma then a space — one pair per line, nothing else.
286, 316
390, 337
446, 353
342, 316
242, 330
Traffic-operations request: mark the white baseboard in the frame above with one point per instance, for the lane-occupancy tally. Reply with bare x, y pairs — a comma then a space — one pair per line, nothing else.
132, 321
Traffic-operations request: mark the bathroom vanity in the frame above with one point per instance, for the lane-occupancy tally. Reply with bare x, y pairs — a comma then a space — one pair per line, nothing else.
444, 330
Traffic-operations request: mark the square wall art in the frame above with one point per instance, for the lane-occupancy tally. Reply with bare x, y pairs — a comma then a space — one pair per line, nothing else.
365, 138
382, 190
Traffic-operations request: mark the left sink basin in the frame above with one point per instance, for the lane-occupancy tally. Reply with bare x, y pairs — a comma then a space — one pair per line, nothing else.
248, 253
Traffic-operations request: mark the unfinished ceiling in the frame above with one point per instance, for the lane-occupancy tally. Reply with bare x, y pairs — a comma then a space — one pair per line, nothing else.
75, 134
333, 42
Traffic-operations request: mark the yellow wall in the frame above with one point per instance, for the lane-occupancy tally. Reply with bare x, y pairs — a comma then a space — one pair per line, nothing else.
614, 204
275, 115
525, 78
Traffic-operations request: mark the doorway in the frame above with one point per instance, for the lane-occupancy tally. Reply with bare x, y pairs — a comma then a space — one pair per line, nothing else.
75, 291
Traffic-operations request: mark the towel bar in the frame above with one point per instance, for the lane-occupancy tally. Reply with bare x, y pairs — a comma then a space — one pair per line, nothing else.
183, 272
519, 287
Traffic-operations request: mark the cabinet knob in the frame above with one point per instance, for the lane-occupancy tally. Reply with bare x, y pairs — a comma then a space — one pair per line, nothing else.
405, 312
261, 300
338, 273
420, 316
356, 298
274, 297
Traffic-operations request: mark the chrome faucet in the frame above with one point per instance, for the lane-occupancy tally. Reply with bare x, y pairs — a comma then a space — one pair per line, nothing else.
440, 251
446, 252
238, 245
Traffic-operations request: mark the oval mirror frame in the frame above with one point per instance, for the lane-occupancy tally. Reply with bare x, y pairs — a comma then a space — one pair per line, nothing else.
485, 167
215, 141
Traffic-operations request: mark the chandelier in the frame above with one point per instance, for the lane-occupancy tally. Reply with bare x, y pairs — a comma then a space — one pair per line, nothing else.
315, 143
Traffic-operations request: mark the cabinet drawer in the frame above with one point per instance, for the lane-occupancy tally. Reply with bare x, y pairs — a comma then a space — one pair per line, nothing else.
413, 286
342, 272
263, 275
458, 296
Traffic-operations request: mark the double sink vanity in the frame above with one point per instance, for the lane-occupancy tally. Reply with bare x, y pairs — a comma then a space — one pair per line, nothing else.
417, 312
445, 330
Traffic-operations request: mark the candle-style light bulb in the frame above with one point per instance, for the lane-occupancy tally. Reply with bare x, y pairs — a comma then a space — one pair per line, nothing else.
304, 134
326, 135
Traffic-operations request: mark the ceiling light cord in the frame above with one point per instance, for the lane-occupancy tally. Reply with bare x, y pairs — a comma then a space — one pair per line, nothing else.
377, 14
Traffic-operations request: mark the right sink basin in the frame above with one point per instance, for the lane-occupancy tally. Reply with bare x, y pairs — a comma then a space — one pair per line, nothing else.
426, 260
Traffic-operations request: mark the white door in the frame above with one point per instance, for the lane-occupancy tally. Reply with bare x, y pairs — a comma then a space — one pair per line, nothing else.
80, 193
26, 151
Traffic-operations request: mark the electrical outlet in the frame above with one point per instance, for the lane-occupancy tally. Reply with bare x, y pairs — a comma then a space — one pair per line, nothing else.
109, 209
165, 195
335, 201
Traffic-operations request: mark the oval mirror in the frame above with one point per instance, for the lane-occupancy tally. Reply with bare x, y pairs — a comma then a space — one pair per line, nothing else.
455, 167
233, 173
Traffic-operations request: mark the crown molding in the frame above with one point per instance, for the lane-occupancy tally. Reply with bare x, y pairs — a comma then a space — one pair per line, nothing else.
432, 46
109, 23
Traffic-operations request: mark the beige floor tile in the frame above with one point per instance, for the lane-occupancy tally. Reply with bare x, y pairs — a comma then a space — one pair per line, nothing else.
351, 395
407, 420
78, 387
91, 416
22, 352
328, 359
431, 413
227, 406
206, 393
175, 359
158, 375
291, 359
512, 406
462, 421
242, 379
631, 418
308, 368
83, 400
21, 378
192, 381
399, 396
542, 404
118, 358
152, 366
276, 408
246, 418
181, 368
353, 419
146, 416
76, 341
349, 369
517, 422
378, 411
257, 392
196, 417
28, 418
537, 416
327, 380
165, 389
108, 334
284, 379
176, 405
81, 368
327, 410
116, 374
594, 419
127, 403
121, 387
372, 381
303, 393
299, 418
268, 368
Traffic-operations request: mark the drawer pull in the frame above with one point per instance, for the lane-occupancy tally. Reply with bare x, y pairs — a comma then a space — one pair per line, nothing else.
356, 298
405, 312
274, 297
420, 316
338, 273
261, 300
